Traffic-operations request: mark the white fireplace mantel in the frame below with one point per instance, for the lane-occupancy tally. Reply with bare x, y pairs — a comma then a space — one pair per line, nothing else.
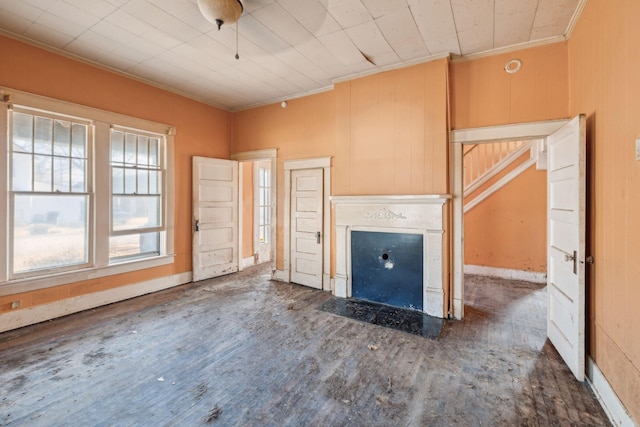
414, 214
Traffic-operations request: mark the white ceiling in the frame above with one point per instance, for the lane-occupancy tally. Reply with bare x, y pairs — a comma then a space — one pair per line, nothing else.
287, 47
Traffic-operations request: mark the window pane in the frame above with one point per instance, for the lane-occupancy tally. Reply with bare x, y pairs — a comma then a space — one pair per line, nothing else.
42, 173
261, 191
61, 138
130, 181
134, 245
43, 135
117, 147
61, 178
143, 181
143, 150
117, 180
135, 212
154, 182
22, 132
130, 149
78, 140
154, 144
78, 175
22, 172
50, 232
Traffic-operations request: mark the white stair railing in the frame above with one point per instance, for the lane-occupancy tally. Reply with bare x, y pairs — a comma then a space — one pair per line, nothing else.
484, 161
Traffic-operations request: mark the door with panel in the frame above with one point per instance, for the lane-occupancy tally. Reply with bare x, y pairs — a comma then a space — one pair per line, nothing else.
215, 216
566, 208
306, 227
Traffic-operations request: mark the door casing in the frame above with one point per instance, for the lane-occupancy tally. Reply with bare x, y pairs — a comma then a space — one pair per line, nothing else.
314, 163
531, 130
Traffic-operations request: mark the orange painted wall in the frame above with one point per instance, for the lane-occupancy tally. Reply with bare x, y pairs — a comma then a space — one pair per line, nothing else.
247, 209
604, 76
483, 94
502, 233
201, 130
386, 134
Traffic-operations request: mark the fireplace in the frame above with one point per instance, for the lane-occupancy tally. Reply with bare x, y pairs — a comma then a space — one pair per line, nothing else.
389, 250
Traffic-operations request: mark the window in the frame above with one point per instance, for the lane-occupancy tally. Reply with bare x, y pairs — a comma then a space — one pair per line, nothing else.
49, 193
264, 205
86, 194
136, 194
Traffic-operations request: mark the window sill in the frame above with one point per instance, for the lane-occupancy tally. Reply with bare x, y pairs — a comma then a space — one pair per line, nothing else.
52, 280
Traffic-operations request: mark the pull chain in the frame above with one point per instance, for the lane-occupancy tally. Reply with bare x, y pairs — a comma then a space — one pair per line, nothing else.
237, 56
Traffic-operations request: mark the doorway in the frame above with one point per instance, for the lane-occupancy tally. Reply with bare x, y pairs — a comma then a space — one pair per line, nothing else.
257, 207
566, 205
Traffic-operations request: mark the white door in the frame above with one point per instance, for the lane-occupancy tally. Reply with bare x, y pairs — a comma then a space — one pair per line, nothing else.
566, 194
306, 227
262, 211
215, 215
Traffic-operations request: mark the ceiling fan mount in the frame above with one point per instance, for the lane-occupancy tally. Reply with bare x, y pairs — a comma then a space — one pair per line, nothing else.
221, 12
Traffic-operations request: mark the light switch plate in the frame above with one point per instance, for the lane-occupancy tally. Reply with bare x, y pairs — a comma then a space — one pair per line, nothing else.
638, 149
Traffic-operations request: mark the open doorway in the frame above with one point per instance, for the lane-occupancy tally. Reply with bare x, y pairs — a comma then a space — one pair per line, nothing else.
505, 209
565, 225
257, 206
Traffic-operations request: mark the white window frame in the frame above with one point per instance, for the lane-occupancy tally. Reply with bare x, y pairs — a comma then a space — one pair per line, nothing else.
88, 192
101, 189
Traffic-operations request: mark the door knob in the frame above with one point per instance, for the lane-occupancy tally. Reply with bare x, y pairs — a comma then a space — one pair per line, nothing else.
318, 237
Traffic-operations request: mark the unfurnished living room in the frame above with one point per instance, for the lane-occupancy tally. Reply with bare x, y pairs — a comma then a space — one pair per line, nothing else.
319, 212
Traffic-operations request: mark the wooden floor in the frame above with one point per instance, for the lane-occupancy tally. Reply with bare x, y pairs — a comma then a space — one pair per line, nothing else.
242, 350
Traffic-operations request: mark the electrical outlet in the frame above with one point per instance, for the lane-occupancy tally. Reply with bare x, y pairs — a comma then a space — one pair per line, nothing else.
16, 304
638, 149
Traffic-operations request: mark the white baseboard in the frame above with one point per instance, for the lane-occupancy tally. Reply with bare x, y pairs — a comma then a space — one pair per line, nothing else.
505, 273
247, 262
40, 313
615, 410
280, 275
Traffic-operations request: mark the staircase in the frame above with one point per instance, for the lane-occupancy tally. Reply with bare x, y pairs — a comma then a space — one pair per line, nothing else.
485, 161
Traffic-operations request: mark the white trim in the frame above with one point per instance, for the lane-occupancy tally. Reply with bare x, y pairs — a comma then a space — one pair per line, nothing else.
419, 199
278, 100
269, 153
40, 313
510, 48
607, 397
506, 273
317, 162
531, 130
27, 285
280, 275
56, 106
247, 262
575, 18
499, 184
323, 163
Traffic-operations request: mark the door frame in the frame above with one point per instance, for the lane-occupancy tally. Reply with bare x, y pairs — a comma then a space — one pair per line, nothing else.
323, 163
530, 130
252, 156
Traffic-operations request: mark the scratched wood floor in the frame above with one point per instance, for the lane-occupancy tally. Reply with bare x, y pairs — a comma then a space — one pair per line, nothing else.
244, 351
